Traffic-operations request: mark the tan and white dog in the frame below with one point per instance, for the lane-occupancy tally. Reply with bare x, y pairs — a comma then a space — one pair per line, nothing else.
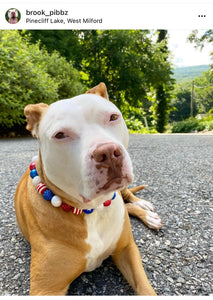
69, 205
13, 16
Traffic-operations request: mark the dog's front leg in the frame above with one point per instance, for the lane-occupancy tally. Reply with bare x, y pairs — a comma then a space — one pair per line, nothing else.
128, 261
53, 268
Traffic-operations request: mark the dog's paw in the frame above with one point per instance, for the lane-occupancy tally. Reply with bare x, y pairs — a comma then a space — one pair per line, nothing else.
144, 204
153, 220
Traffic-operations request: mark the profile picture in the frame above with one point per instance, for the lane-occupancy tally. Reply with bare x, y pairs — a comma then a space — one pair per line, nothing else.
13, 15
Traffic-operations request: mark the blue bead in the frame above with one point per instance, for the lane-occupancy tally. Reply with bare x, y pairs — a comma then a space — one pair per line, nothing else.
48, 194
33, 173
88, 211
114, 195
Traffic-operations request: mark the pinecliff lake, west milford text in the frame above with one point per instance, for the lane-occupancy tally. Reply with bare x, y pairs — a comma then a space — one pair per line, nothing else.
63, 21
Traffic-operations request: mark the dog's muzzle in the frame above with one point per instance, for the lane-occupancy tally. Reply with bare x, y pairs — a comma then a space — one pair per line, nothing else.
108, 158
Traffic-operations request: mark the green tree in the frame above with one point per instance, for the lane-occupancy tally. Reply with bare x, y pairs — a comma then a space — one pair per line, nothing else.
204, 92
204, 84
181, 103
130, 62
200, 40
30, 75
66, 42
163, 97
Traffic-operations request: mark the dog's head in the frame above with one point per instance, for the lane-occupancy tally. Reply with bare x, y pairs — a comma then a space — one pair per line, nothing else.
12, 13
83, 143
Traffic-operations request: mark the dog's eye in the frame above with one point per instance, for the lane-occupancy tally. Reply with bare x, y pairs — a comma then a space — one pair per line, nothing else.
60, 135
113, 117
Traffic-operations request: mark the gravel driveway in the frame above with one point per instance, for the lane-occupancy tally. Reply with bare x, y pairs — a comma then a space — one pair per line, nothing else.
178, 170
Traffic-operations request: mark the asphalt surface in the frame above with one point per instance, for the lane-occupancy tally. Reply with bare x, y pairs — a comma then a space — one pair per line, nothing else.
178, 170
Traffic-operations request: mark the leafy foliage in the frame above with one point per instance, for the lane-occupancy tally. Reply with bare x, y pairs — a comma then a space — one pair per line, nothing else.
66, 42
130, 62
162, 106
200, 40
185, 126
192, 125
181, 103
204, 92
30, 75
203, 97
136, 126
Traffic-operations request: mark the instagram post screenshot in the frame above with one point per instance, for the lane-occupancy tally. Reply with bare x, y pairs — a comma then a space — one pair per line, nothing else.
106, 148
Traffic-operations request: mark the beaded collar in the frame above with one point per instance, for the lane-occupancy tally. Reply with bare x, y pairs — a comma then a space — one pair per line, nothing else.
55, 200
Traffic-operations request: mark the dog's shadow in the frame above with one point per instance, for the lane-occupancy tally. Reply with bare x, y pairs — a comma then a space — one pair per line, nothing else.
105, 280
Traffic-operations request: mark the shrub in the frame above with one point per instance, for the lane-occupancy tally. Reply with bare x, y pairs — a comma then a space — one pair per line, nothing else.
30, 75
136, 126
185, 126
191, 125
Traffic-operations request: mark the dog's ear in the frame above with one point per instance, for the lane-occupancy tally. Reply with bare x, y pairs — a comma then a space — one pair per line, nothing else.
34, 113
100, 90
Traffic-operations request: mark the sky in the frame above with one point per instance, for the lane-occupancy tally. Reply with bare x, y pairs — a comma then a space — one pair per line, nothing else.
184, 52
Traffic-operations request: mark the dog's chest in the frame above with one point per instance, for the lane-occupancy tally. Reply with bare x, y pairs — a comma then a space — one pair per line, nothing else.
104, 228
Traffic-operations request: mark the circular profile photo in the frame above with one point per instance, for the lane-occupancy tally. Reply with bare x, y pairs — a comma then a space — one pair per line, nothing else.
13, 15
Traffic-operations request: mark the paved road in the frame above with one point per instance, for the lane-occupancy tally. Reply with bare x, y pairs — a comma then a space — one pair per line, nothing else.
178, 170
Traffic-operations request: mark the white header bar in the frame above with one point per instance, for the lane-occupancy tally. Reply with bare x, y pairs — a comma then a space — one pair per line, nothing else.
91, 2
110, 15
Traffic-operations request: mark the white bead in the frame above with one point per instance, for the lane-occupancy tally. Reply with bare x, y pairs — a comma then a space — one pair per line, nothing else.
36, 180
35, 158
56, 201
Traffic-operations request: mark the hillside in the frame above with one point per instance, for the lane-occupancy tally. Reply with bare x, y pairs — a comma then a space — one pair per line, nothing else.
189, 73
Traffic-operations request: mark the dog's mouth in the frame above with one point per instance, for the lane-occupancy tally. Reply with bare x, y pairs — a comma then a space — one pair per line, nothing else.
115, 182
85, 200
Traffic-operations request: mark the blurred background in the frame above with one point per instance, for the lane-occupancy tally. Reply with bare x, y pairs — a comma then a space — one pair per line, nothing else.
162, 81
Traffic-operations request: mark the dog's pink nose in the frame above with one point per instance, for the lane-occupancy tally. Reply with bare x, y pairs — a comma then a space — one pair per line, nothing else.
107, 154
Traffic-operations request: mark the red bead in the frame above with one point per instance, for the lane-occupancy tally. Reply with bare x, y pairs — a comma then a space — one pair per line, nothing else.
41, 188
32, 166
66, 207
107, 203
